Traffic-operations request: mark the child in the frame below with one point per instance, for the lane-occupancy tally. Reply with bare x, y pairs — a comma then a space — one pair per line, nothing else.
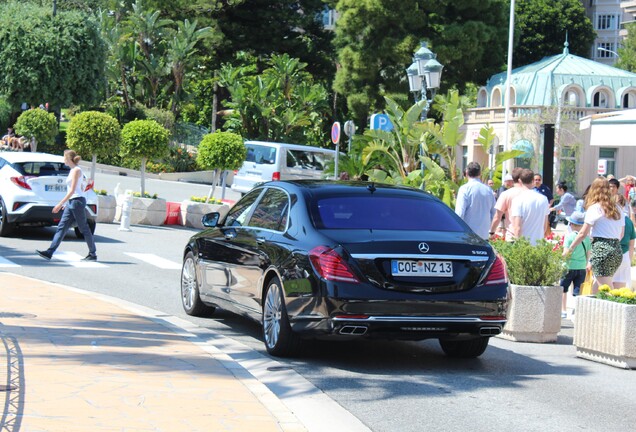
576, 261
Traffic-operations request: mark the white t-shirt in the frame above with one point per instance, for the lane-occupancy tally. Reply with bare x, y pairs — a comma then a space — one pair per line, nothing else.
602, 226
532, 207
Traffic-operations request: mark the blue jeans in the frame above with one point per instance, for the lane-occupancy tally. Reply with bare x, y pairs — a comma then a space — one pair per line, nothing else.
75, 211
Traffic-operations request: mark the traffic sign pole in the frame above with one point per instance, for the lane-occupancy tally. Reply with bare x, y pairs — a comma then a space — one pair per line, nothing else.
335, 138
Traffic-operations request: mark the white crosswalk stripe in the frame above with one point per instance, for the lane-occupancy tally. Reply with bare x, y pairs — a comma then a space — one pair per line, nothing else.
155, 260
5, 263
75, 260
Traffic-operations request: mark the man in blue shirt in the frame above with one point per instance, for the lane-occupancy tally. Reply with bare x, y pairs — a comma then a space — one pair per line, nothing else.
475, 202
546, 192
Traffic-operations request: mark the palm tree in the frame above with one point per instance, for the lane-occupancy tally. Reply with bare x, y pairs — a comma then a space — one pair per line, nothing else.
180, 51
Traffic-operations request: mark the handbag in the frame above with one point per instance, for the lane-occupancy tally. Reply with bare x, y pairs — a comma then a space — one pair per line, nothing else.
586, 286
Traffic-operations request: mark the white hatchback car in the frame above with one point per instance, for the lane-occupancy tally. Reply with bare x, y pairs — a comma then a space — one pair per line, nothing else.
31, 184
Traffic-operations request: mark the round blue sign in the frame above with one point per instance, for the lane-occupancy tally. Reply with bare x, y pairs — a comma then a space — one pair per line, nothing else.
335, 133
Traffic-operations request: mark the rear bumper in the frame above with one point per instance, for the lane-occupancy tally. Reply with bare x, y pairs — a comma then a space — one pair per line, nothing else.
40, 215
486, 319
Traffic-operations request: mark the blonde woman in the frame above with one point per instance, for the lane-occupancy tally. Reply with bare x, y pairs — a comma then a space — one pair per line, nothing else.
605, 223
74, 205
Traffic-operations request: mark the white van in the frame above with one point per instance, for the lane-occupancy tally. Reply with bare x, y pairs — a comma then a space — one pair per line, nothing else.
268, 161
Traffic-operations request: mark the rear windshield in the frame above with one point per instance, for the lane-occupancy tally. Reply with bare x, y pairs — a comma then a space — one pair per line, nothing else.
42, 168
385, 213
307, 159
260, 154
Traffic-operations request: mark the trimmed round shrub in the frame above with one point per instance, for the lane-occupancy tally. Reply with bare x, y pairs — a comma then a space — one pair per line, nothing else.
38, 124
221, 150
93, 132
142, 139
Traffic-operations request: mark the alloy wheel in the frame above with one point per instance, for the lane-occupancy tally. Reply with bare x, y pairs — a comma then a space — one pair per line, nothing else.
188, 284
272, 313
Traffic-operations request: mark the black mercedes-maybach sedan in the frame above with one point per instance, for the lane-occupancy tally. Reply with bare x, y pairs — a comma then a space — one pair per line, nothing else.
325, 259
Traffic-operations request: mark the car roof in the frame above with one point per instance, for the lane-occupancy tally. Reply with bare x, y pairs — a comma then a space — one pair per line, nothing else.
326, 187
21, 157
299, 147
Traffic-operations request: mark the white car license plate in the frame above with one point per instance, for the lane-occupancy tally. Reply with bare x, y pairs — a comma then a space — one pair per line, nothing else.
55, 188
421, 268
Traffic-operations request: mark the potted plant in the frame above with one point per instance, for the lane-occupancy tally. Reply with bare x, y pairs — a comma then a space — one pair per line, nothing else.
605, 327
192, 210
534, 313
146, 210
106, 206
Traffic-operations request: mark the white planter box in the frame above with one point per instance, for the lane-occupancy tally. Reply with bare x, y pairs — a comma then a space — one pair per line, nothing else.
534, 314
106, 208
145, 211
605, 331
192, 212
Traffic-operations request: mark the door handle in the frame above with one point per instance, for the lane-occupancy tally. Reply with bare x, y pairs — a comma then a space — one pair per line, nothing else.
260, 240
229, 235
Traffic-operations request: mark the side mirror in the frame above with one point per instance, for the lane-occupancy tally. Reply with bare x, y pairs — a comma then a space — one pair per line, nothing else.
210, 220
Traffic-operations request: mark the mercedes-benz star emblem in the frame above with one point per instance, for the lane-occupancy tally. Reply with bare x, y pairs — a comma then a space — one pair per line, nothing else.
423, 247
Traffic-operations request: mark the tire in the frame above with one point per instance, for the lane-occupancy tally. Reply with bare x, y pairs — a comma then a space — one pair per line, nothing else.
278, 336
91, 226
5, 227
471, 348
190, 297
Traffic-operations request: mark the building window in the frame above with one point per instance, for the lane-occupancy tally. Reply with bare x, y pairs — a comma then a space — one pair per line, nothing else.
629, 100
482, 98
605, 49
568, 167
608, 154
606, 22
496, 98
601, 99
571, 98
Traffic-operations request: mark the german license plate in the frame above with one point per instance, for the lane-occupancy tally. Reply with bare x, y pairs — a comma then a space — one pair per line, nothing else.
421, 268
55, 188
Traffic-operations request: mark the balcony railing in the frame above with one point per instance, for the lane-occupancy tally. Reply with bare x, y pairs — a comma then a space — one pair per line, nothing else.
524, 113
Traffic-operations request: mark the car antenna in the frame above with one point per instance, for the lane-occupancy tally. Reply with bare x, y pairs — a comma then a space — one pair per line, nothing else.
371, 187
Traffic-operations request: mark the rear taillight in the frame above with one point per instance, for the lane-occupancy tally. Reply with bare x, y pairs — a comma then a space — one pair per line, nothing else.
498, 273
330, 265
21, 182
89, 185
276, 176
93, 208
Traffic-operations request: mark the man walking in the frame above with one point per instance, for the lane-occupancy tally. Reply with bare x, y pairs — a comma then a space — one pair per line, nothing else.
504, 203
529, 210
475, 202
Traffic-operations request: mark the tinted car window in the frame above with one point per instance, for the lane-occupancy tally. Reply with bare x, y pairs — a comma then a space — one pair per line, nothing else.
260, 154
305, 159
42, 168
239, 213
384, 213
271, 211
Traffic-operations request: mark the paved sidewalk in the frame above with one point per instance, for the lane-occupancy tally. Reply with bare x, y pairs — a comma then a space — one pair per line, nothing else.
74, 362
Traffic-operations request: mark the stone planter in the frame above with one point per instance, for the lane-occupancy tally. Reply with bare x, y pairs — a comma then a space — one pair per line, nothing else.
534, 314
192, 212
145, 211
106, 208
605, 332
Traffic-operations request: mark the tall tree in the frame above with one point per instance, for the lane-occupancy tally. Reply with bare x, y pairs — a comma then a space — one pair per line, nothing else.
265, 27
376, 39
541, 27
58, 59
627, 54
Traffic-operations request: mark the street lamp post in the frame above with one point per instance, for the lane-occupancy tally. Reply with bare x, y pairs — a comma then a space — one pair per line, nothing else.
614, 53
424, 74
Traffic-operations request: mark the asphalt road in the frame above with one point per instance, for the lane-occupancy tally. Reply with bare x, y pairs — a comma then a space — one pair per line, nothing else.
390, 386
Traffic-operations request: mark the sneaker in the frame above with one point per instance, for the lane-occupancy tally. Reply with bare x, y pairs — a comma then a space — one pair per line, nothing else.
564, 314
45, 254
90, 257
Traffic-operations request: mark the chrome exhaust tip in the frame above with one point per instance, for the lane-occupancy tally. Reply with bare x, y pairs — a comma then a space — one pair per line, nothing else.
489, 331
353, 330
